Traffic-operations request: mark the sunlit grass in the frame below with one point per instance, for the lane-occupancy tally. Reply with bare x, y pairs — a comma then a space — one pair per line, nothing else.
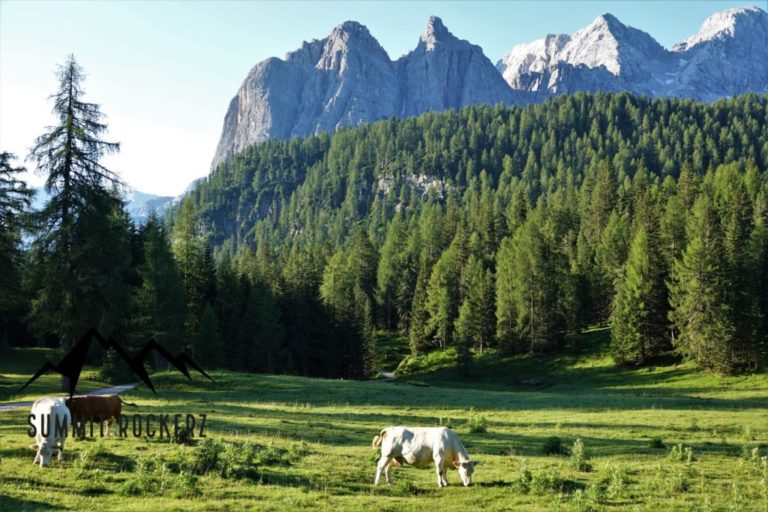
627, 421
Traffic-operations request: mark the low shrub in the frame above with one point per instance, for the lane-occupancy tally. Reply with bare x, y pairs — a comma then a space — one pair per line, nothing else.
477, 424
579, 459
553, 446
681, 453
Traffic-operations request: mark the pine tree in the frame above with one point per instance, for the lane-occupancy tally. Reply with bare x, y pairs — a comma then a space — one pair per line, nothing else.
390, 271
160, 301
638, 323
697, 294
443, 292
534, 280
14, 202
417, 332
506, 308
83, 192
206, 344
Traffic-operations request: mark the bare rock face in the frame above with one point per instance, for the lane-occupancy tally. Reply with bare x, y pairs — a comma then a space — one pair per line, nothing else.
728, 56
343, 80
348, 79
446, 72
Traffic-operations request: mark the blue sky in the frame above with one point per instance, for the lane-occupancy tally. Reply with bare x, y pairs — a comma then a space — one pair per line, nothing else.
164, 71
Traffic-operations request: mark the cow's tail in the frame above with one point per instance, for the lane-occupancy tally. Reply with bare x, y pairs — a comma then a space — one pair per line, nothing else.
379, 438
126, 403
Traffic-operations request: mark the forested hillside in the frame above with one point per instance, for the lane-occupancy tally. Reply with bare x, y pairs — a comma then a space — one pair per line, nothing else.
489, 227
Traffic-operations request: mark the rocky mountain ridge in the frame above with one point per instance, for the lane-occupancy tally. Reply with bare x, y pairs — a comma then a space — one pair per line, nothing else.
348, 79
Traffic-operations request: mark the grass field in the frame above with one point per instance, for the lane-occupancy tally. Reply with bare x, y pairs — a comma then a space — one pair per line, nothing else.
290, 443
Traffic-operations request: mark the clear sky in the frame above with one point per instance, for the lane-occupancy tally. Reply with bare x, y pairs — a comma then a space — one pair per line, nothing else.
164, 71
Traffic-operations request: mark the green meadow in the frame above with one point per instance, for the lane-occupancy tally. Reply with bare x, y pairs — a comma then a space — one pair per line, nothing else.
570, 432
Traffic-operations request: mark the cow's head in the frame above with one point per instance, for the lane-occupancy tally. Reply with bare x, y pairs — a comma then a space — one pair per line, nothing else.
44, 453
466, 469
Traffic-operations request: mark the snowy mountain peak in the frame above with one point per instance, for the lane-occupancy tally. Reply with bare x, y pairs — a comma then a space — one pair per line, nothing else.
726, 24
607, 21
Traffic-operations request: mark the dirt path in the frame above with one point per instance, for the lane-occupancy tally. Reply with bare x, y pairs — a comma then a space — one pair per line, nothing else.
106, 391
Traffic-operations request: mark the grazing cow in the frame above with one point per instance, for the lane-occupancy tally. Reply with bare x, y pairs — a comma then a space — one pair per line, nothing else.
52, 420
419, 446
96, 408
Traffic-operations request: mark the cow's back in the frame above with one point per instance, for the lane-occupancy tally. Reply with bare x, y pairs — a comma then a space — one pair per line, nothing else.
50, 411
95, 407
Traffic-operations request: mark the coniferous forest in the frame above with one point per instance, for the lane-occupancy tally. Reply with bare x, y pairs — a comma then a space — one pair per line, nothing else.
504, 228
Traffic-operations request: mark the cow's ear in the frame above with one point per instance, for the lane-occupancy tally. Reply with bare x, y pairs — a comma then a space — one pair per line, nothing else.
456, 464
475, 463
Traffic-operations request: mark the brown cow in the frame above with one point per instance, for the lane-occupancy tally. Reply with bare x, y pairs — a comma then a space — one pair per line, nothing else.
96, 408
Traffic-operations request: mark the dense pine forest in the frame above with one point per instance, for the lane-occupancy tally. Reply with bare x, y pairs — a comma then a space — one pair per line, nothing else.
498, 228
508, 228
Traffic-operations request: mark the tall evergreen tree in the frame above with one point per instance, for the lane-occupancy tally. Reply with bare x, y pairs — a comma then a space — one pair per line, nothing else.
160, 301
705, 330
82, 221
638, 323
14, 202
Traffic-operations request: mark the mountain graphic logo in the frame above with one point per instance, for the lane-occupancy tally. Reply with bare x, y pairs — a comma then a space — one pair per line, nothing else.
72, 364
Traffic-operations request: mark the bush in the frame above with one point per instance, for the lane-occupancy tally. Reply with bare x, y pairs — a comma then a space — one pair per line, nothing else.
523, 482
206, 457
579, 458
537, 482
681, 453
241, 460
553, 446
545, 480
615, 480
477, 424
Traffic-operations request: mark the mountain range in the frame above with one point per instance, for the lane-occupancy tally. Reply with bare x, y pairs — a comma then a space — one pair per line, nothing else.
348, 79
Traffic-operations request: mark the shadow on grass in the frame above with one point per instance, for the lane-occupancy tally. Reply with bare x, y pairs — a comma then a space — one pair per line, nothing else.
15, 504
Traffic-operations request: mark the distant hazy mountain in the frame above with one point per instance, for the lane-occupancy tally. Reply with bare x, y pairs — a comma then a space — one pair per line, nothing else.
348, 79
138, 204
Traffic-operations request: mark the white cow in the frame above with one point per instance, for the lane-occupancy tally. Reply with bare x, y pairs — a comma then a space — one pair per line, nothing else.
48, 413
419, 446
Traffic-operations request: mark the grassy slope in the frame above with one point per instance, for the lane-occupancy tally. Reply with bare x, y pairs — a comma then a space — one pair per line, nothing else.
580, 395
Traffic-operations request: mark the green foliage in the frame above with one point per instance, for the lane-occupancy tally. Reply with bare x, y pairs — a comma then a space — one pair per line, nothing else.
489, 228
477, 424
638, 323
579, 458
553, 446
80, 255
681, 453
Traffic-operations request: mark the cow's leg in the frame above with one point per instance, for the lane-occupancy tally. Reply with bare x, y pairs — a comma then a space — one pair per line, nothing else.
61, 450
439, 470
388, 471
383, 465
37, 457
